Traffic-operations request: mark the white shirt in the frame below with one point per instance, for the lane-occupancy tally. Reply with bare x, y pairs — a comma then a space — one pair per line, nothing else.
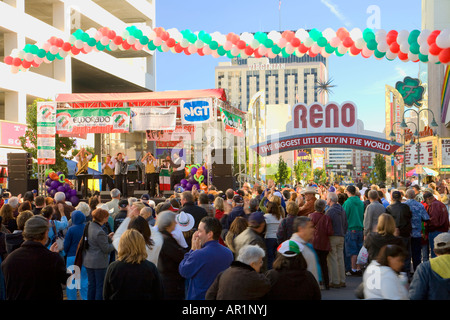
382, 282
272, 226
156, 236
178, 236
111, 164
182, 164
89, 157
117, 165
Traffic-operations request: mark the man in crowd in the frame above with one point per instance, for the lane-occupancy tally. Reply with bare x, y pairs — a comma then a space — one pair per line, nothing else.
114, 203
373, 211
438, 222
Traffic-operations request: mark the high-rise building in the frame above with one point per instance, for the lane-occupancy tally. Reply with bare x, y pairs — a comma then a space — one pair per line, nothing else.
35, 21
285, 80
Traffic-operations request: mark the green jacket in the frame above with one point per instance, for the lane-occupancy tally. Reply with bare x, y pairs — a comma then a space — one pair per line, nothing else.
354, 209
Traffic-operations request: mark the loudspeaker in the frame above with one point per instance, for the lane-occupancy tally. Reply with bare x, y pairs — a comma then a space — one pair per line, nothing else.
224, 183
20, 186
222, 156
222, 170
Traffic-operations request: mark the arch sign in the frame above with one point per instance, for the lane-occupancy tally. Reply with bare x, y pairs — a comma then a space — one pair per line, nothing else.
329, 126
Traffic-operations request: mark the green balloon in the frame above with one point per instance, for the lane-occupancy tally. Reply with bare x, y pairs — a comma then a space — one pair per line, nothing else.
372, 44
379, 54
368, 35
213, 45
221, 51
78, 33
284, 53
50, 56
329, 48
268, 43
84, 37
423, 57
34, 49
137, 34
160, 49
414, 48
276, 49
338, 54
315, 34
27, 48
41, 53
144, 40
229, 55
91, 42
192, 38
322, 42
100, 47
151, 46
207, 39
59, 57
413, 35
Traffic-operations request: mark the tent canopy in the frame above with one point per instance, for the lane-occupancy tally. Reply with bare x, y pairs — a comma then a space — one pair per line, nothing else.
141, 99
426, 171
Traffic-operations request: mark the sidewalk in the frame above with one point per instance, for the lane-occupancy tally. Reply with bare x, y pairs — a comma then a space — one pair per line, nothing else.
347, 293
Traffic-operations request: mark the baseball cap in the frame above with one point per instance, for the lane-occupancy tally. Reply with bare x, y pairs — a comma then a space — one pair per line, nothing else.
123, 203
36, 225
332, 189
290, 248
145, 196
257, 217
442, 241
238, 199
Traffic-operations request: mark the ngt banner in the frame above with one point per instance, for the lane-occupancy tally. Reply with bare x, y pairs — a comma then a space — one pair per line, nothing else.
196, 111
329, 126
95, 120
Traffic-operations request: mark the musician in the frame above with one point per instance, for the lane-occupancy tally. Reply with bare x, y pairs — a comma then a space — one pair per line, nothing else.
120, 173
178, 173
151, 176
82, 157
108, 171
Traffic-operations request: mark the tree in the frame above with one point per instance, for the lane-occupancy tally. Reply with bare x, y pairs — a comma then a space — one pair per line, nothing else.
320, 175
62, 144
282, 174
379, 167
302, 171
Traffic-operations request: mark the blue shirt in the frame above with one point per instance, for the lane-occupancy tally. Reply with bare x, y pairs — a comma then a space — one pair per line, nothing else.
202, 267
419, 214
384, 202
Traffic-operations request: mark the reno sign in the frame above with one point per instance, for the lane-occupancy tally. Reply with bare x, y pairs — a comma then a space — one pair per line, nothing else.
325, 126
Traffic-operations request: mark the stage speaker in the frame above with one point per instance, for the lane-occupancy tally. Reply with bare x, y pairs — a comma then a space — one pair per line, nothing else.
222, 156
224, 183
222, 170
20, 186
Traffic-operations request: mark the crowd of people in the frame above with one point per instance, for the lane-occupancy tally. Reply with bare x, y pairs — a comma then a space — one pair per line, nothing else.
256, 243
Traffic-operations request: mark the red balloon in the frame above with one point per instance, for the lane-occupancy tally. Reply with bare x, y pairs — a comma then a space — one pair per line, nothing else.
402, 56
66, 46
17, 62
432, 37
170, 42
348, 42
126, 45
34, 64
434, 49
444, 55
391, 37
8, 60
394, 47
302, 48
52, 40
118, 40
312, 54
104, 31
229, 36
178, 48
295, 42
159, 31
75, 50
257, 55
288, 35
111, 34
186, 51
354, 50
235, 39
241, 44
26, 64
248, 50
165, 36
59, 42
200, 52
342, 33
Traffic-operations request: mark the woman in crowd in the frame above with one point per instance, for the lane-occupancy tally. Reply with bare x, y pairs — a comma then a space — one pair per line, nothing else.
273, 218
96, 253
219, 206
285, 229
239, 224
170, 256
132, 276
8, 220
381, 279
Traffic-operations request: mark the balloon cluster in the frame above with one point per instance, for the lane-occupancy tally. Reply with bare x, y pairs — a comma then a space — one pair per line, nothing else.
196, 174
417, 45
57, 182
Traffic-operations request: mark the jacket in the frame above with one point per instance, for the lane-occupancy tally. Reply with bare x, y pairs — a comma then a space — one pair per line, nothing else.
285, 228
197, 212
32, 272
402, 215
307, 208
237, 211
373, 211
170, 256
354, 209
249, 236
74, 234
431, 281
13, 240
202, 267
239, 282
323, 229
382, 282
375, 241
292, 284
96, 256
419, 214
438, 216
310, 256
338, 220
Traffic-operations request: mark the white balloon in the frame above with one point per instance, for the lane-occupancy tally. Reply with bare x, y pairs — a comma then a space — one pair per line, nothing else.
290, 48
366, 52
151, 35
383, 46
275, 36
243, 55
125, 34
113, 46
423, 36
302, 34
207, 50
262, 50
21, 54
131, 40
254, 43
235, 51
63, 54
380, 35
342, 49
315, 48
433, 59
29, 56
412, 56
215, 54
308, 42
404, 47
228, 45
158, 41
192, 48
391, 55
199, 44
14, 69
184, 43
165, 47
443, 39
46, 46
283, 42
105, 40
356, 33
138, 45
424, 48
329, 34
246, 36
403, 36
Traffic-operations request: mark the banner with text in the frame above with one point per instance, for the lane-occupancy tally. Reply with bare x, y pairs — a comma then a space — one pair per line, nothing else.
445, 144
95, 120
46, 131
143, 119
196, 111
181, 133
233, 123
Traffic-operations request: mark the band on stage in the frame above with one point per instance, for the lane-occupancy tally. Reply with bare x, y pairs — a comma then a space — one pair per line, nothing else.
115, 172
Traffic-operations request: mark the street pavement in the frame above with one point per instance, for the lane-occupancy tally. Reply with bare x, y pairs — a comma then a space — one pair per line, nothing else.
347, 293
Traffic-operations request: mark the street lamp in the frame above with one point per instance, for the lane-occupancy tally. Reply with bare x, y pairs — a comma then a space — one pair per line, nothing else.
404, 125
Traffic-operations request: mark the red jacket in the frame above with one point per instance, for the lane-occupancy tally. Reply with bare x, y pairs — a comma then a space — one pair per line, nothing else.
438, 216
323, 229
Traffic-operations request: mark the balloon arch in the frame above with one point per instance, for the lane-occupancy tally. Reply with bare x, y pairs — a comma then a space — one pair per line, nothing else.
416, 45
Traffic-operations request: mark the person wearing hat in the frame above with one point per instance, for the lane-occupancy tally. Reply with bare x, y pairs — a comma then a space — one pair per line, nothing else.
236, 211
402, 215
289, 277
188, 206
306, 205
254, 235
123, 213
431, 281
32, 272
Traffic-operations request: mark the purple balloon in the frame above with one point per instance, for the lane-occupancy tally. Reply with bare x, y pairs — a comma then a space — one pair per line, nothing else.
192, 180
52, 192
73, 192
48, 182
61, 189
49, 189
55, 184
74, 200
188, 186
193, 170
183, 182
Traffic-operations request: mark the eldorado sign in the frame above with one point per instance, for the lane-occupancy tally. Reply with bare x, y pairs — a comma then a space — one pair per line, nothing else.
318, 126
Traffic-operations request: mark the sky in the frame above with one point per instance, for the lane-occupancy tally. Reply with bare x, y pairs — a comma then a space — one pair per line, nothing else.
356, 79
